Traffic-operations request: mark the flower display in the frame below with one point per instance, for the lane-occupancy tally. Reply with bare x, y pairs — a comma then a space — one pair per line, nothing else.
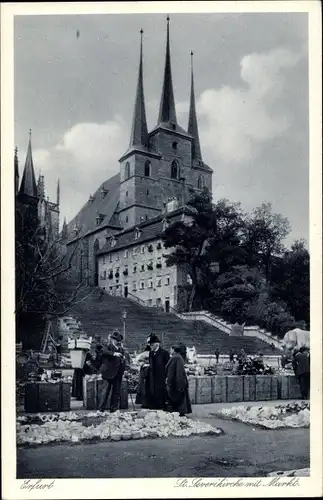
271, 417
74, 427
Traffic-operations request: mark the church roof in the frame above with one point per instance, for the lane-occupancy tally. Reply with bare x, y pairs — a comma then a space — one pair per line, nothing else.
104, 202
149, 230
28, 184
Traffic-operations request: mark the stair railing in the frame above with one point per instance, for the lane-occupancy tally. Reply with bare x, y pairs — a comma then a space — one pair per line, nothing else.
134, 298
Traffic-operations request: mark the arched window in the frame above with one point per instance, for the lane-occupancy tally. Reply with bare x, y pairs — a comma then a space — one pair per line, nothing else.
127, 170
174, 170
200, 182
147, 169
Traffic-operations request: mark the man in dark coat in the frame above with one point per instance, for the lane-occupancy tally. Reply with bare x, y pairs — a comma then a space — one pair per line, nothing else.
158, 359
302, 371
113, 364
177, 383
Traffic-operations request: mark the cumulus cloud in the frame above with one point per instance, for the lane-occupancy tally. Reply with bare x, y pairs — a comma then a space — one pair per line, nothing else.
86, 156
236, 121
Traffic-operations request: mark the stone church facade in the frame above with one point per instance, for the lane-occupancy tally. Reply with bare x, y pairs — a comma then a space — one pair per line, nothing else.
155, 179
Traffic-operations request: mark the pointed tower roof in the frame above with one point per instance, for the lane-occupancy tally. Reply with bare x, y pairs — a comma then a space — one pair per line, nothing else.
192, 121
139, 131
167, 111
58, 193
16, 163
28, 183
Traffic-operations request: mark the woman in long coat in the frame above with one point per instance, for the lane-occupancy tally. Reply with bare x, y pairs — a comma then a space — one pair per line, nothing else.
177, 383
142, 397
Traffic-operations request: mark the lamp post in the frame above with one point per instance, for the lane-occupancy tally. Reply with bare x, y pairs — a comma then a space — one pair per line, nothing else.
124, 317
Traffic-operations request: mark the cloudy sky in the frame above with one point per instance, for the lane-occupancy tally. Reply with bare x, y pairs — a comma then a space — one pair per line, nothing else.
251, 82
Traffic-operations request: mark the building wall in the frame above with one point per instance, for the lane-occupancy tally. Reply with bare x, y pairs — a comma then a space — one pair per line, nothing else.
164, 280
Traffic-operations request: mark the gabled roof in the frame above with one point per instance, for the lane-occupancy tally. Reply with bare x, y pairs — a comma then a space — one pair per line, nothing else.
150, 230
104, 201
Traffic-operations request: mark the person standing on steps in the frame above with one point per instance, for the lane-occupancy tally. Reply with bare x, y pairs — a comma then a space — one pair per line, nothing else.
113, 365
177, 383
158, 359
217, 354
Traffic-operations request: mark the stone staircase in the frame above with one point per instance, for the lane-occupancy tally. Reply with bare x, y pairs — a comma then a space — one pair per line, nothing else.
101, 314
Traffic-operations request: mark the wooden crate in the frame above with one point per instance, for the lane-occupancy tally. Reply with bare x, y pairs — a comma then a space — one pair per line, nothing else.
234, 388
47, 397
203, 390
263, 387
192, 389
249, 388
219, 389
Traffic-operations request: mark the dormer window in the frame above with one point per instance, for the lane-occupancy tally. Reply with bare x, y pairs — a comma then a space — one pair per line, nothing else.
137, 233
113, 241
104, 192
99, 218
147, 169
91, 199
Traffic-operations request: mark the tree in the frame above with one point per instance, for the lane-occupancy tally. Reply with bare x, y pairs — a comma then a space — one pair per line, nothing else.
210, 234
42, 289
264, 235
290, 279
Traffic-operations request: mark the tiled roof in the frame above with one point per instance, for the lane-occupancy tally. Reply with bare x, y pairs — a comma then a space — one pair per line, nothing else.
105, 206
150, 230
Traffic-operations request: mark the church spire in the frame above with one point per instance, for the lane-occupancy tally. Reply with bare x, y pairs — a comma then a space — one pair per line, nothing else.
192, 121
28, 183
139, 131
58, 192
16, 170
167, 111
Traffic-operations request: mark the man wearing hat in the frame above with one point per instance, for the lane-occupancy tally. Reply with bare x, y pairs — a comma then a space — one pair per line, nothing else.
158, 359
113, 364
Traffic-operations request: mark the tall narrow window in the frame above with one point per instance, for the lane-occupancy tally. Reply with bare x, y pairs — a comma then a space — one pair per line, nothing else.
147, 169
174, 170
127, 170
200, 182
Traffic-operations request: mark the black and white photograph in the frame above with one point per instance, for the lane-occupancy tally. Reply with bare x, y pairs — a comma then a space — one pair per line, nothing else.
161, 306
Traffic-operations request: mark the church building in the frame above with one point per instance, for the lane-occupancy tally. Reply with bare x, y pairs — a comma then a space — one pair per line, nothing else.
118, 231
